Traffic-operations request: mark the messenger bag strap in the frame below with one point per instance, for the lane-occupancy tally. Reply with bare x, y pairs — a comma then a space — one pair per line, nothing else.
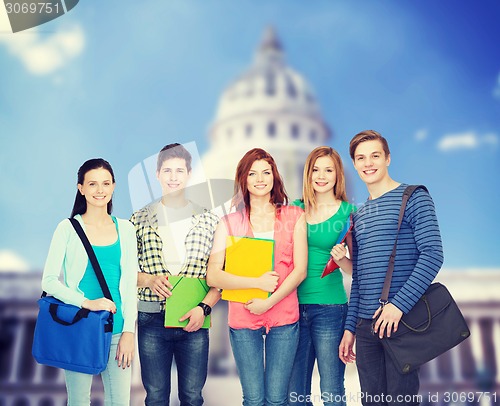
384, 297
92, 257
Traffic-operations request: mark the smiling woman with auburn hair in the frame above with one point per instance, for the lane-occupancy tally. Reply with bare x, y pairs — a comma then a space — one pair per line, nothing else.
264, 366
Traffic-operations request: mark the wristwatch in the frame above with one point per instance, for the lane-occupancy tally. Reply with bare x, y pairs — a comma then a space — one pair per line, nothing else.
206, 308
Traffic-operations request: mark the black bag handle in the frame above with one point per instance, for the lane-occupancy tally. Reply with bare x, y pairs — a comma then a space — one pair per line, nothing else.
429, 318
93, 259
384, 297
80, 314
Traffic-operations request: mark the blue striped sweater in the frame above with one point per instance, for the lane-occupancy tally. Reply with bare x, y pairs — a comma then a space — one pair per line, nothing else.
419, 254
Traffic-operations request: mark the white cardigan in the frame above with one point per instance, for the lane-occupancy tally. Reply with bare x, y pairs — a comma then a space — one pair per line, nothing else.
68, 254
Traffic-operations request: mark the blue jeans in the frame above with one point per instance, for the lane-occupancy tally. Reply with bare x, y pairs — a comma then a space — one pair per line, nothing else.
157, 347
321, 330
116, 382
264, 362
381, 383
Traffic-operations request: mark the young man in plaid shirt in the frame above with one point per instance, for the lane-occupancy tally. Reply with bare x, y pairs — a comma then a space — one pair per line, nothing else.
174, 237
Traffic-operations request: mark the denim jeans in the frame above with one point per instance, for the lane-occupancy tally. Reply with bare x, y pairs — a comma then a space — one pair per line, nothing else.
321, 329
381, 383
157, 347
264, 362
116, 382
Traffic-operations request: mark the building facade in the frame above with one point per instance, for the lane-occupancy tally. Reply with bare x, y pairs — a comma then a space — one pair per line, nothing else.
468, 374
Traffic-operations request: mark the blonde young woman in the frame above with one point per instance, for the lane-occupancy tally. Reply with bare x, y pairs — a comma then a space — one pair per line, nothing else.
322, 301
264, 365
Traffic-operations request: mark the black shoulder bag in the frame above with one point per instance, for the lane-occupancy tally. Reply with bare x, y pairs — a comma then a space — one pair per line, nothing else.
433, 326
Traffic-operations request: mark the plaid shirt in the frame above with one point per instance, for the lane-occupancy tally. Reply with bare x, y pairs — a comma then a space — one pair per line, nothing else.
198, 244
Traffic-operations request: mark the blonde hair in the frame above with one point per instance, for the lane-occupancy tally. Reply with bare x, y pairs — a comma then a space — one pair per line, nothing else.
308, 193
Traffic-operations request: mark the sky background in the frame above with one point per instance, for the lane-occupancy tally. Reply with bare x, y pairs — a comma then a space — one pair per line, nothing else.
119, 80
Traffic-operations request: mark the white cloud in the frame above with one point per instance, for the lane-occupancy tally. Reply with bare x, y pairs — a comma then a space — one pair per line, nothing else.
421, 134
12, 262
466, 140
42, 55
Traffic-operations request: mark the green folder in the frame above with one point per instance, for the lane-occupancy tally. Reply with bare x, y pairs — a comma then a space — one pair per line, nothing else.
186, 294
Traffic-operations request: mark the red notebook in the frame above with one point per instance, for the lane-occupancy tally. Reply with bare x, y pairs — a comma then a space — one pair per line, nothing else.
331, 265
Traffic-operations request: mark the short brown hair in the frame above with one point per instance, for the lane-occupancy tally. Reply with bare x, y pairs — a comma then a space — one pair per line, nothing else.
241, 198
308, 193
368, 135
171, 151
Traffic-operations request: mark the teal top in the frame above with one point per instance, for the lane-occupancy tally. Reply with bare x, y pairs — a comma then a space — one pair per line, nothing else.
109, 260
321, 238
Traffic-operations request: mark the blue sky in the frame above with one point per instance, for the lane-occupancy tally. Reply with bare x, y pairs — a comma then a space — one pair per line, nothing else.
121, 79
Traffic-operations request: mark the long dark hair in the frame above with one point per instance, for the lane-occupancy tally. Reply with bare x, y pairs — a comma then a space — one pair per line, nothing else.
80, 205
241, 198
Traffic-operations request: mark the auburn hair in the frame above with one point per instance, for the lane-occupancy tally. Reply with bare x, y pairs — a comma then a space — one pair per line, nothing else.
241, 197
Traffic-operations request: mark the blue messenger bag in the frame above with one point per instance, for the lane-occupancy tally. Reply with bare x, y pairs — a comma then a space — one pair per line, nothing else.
70, 337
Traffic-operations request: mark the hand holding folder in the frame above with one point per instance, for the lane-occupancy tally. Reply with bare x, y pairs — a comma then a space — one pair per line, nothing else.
186, 294
331, 265
250, 257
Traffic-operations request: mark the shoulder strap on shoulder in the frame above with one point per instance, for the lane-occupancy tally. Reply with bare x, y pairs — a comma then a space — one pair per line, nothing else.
411, 188
93, 259
384, 297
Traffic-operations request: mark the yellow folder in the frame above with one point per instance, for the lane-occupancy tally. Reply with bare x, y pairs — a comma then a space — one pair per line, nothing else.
186, 294
246, 256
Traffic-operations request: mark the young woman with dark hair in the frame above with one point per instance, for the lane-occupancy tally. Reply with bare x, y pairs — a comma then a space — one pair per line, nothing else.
264, 365
114, 243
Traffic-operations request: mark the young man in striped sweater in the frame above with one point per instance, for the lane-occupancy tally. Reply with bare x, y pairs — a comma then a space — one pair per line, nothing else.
418, 260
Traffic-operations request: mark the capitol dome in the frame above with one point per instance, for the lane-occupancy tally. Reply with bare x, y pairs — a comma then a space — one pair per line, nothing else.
269, 85
269, 106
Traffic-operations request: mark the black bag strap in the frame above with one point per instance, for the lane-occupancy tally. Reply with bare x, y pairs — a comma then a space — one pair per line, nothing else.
80, 314
384, 297
92, 257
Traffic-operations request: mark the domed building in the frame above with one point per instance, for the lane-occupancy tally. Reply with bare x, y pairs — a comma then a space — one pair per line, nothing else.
270, 106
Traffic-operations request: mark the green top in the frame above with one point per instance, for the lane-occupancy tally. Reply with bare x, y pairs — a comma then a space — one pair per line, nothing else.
321, 238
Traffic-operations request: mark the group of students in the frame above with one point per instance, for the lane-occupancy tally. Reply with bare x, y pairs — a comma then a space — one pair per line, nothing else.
275, 341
